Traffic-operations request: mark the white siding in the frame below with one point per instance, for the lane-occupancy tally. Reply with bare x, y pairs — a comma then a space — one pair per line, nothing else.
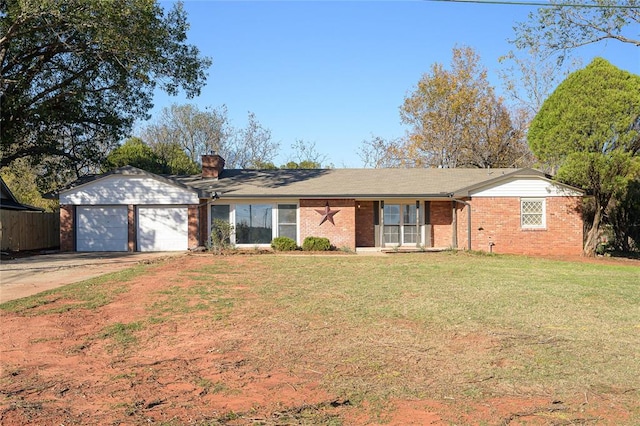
124, 190
531, 187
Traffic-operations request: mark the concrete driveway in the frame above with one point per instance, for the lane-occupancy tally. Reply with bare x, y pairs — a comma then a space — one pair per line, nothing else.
26, 276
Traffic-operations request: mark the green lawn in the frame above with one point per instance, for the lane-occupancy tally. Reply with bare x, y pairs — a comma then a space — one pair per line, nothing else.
445, 325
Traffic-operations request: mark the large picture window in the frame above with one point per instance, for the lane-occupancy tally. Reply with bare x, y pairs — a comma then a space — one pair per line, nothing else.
253, 224
532, 213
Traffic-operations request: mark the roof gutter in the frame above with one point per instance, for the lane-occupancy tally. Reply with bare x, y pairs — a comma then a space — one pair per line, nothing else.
468, 219
231, 196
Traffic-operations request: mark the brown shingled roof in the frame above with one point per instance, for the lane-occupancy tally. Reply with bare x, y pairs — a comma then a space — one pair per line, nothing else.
340, 183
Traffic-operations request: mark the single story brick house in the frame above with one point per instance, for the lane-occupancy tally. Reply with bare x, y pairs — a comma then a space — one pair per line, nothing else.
519, 211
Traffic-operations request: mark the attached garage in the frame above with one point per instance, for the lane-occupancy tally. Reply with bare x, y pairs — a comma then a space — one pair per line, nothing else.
163, 228
101, 228
129, 209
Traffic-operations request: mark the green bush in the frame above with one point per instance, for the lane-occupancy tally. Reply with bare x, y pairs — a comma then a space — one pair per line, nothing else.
316, 244
283, 244
220, 239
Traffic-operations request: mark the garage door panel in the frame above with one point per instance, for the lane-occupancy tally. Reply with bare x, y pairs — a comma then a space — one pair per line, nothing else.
163, 228
102, 228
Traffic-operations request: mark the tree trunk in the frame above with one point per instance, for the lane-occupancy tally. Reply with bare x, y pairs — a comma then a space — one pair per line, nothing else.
592, 236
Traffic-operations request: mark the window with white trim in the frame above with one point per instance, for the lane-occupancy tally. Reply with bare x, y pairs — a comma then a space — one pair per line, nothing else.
287, 221
254, 223
532, 213
257, 224
401, 224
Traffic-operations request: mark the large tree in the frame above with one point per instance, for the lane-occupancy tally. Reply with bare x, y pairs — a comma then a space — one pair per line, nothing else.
195, 131
199, 132
530, 76
76, 74
457, 120
379, 153
22, 180
169, 159
562, 27
305, 156
589, 129
252, 146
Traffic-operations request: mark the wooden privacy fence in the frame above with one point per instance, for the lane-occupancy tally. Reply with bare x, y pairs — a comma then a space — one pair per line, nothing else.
24, 230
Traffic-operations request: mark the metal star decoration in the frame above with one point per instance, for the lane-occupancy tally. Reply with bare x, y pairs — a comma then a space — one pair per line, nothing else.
327, 214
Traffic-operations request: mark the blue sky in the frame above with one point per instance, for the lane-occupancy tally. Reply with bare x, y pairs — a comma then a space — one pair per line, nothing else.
335, 73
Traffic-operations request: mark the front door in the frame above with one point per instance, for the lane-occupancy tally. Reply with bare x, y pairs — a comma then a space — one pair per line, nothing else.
401, 224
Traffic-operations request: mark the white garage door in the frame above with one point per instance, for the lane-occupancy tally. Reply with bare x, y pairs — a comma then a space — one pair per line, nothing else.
101, 228
163, 228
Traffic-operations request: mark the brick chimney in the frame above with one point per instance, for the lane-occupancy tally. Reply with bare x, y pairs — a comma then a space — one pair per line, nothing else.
212, 166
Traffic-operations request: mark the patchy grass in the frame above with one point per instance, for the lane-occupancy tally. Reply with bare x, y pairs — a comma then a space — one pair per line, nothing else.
89, 294
453, 325
460, 329
205, 297
123, 335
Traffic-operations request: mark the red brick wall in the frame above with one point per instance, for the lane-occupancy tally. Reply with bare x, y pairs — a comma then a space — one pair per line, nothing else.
497, 220
203, 225
461, 214
131, 228
441, 223
212, 166
67, 236
194, 225
342, 234
365, 232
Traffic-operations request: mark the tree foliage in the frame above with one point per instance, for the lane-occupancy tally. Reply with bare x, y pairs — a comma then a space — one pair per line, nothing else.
457, 120
530, 77
175, 160
589, 129
75, 75
198, 132
379, 153
253, 146
561, 28
305, 156
163, 159
195, 131
624, 217
22, 180
134, 153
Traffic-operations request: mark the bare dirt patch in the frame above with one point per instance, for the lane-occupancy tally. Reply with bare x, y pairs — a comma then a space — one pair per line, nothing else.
171, 350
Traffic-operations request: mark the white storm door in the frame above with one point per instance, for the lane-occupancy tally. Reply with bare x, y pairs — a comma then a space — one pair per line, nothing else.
102, 228
163, 228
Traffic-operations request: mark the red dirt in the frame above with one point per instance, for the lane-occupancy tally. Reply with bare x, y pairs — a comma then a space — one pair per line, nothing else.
56, 371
